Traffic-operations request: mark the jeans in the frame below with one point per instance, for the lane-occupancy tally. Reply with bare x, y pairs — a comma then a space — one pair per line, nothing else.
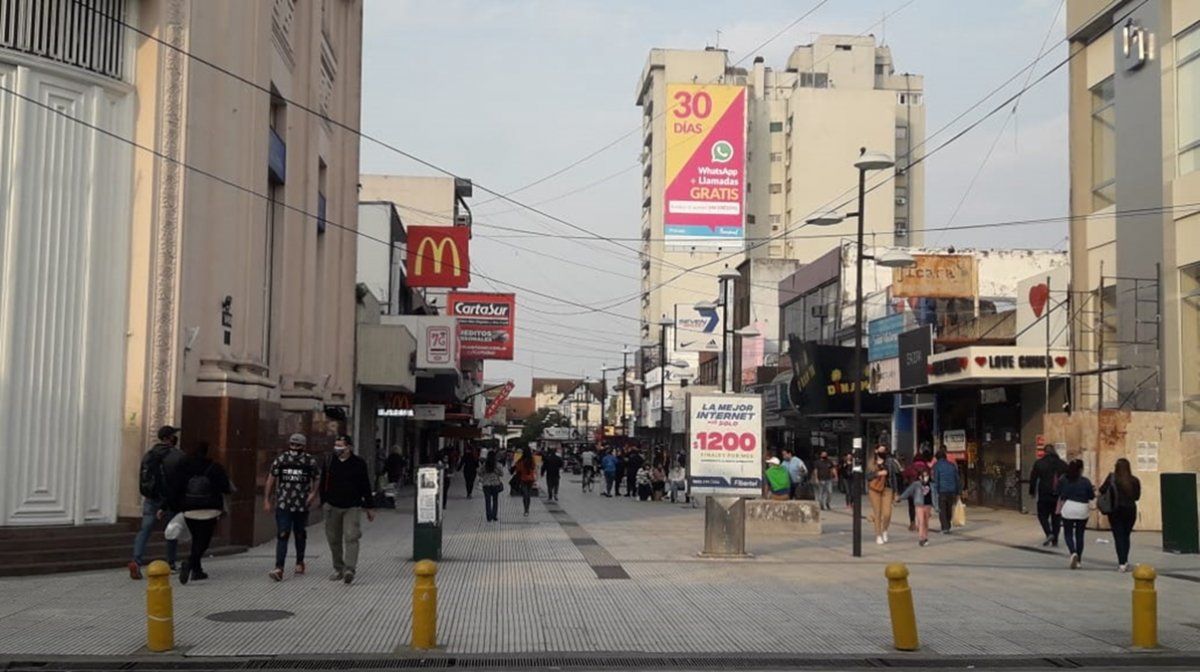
881, 505
491, 503
1121, 521
1073, 535
946, 509
288, 523
609, 479
552, 486
848, 489
149, 519
923, 512
202, 534
825, 494
630, 484
526, 492
343, 529
1047, 513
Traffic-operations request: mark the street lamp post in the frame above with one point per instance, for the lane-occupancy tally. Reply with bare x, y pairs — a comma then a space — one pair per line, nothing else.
867, 161
624, 387
662, 390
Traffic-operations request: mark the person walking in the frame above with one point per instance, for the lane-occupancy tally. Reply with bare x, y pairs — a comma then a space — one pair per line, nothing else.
911, 474
469, 464
345, 494
155, 476
291, 489
920, 491
492, 484
199, 493
797, 472
587, 465
883, 482
552, 466
824, 476
778, 480
1074, 493
525, 472
1043, 479
610, 465
946, 483
1122, 490
846, 478
633, 464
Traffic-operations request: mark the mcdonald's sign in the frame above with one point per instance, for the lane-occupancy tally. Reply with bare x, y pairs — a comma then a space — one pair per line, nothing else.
438, 256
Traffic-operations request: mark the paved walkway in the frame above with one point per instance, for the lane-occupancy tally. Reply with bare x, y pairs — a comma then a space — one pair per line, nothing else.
615, 575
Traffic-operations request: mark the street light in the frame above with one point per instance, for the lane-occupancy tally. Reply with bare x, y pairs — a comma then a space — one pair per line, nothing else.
866, 161
663, 323
725, 278
625, 353
604, 393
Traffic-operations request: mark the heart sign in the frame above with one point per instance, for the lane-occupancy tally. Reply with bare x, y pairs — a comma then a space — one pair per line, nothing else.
1060, 360
981, 361
962, 362
1039, 294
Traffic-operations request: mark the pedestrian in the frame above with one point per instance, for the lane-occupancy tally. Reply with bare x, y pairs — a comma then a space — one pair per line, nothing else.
291, 488
609, 464
470, 467
633, 464
678, 478
155, 476
199, 493
1074, 493
587, 465
779, 481
492, 485
525, 474
345, 494
882, 485
1043, 479
846, 478
1122, 490
395, 473
921, 492
946, 483
825, 474
658, 479
911, 474
552, 466
797, 472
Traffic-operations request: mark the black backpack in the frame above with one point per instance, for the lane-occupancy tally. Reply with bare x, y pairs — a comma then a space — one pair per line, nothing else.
152, 478
198, 492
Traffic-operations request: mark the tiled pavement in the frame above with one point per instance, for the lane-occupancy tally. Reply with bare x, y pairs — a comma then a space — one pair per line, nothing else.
534, 585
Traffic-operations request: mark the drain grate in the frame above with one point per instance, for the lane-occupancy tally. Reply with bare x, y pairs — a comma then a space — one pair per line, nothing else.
250, 616
610, 572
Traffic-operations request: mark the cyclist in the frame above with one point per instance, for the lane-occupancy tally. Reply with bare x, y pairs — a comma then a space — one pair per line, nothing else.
587, 460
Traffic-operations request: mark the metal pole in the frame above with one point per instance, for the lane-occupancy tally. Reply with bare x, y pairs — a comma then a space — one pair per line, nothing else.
860, 450
662, 392
724, 335
624, 389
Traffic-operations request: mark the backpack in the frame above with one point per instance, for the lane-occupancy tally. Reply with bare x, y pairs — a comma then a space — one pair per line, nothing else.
152, 478
198, 492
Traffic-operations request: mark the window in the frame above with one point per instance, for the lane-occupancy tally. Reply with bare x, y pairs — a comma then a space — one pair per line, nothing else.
1104, 141
909, 98
901, 132
776, 157
776, 126
775, 219
814, 80
749, 219
843, 47
776, 188
1187, 51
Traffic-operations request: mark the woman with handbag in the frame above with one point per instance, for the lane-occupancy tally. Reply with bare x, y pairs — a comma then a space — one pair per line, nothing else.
492, 484
525, 472
1118, 500
1074, 493
883, 481
199, 490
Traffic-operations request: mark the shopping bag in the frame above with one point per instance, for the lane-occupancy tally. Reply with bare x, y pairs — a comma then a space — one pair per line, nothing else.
177, 528
960, 514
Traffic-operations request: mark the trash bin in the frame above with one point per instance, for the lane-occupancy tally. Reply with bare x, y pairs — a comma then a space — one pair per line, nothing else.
427, 514
1180, 515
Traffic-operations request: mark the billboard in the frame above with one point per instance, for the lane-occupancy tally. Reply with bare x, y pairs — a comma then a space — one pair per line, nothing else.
1042, 299
485, 323
706, 165
725, 437
915, 347
883, 334
438, 256
697, 329
937, 276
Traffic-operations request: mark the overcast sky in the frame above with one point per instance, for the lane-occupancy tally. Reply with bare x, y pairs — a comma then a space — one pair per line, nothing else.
506, 92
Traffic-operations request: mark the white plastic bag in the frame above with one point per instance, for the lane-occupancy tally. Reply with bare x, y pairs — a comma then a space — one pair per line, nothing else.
177, 529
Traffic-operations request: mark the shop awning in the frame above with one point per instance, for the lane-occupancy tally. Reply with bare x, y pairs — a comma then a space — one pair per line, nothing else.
995, 365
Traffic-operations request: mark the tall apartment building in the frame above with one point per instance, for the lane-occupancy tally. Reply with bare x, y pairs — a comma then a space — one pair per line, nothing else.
804, 127
1135, 235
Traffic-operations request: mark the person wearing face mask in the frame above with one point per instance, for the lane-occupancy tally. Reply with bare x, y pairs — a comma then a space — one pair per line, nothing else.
345, 493
292, 488
920, 494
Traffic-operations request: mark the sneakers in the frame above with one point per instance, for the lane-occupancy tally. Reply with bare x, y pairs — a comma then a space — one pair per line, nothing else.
276, 574
185, 573
135, 571
1123, 568
1074, 561
885, 537
348, 578
1048, 541
299, 569
336, 576
923, 542
197, 575
879, 539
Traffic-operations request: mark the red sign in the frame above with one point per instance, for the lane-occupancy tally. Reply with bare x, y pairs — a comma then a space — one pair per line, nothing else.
485, 323
494, 404
438, 256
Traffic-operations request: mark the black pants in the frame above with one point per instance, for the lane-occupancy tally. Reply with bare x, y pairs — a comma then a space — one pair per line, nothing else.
617, 481
526, 491
946, 509
469, 478
1121, 520
1047, 513
912, 513
630, 484
1073, 534
552, 486
202, 534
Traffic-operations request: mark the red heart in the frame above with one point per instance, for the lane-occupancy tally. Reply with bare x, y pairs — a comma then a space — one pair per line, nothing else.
982, 361
1060, 360
1038, 295
962, 362
929, 368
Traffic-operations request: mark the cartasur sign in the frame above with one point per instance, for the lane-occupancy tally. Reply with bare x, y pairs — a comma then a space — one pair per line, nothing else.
706, 165
485, 323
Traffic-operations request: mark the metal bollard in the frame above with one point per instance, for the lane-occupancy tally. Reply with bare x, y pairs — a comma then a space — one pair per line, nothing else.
424, 606
900, 604
160, 612
1145, 608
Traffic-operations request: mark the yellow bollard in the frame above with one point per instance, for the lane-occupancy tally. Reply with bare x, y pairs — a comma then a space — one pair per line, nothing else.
900, 603
1145, 608
160, 612
424, 609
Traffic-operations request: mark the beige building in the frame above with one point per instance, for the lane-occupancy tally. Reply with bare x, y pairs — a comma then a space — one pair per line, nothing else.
205, 279
1135, 239
805, 126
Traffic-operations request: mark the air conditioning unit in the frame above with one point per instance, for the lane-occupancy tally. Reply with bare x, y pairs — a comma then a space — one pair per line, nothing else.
819, 312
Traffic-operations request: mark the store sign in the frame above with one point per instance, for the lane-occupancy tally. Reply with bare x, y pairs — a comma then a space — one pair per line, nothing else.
495, 404
725, 438
395, 405
697, 329
955, 440
994, 362
705, 165
429, 412
1042, 307
885, 375
485, 323
993, 395
438, 256
937, 276
883, 335
915, 346
437, 340
823, 380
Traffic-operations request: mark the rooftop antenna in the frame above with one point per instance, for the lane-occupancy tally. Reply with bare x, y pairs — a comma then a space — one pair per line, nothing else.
718, 45
883, 30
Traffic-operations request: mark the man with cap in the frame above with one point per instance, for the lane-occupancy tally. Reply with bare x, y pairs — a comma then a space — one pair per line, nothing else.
155, 476
778, 480
292, 487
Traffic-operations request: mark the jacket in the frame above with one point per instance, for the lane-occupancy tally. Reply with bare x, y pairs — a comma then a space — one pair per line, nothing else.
1045, 473
945, 477
914, 492
609, 464
893, 473
1079, 490
1123, 500
346, 484
552, 466
210, 498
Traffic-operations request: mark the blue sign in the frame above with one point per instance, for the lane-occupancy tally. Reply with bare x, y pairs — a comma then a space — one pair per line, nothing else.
882, 335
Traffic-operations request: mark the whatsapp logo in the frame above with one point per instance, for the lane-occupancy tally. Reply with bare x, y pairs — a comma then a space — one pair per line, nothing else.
722, 151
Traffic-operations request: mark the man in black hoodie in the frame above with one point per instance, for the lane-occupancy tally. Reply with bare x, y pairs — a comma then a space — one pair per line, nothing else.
1042, 481
632, 465
345, 492
552, 466
156, 474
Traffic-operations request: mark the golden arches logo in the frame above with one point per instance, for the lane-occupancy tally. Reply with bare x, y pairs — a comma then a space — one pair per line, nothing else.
438, 248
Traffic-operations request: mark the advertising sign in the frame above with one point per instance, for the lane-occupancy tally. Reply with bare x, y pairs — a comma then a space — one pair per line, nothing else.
429, 502
725, 438
915, 347
883, 332
495, 404
1003, 363
885, 375
485, 323
706, 165
438, 256
697, 329
436, 336
1040, 298
937, 276
955, 440
430, 412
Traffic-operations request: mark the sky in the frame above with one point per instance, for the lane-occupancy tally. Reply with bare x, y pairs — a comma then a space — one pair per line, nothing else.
506, 92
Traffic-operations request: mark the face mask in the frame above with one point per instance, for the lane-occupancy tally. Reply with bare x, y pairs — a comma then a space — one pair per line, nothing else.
340, 449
